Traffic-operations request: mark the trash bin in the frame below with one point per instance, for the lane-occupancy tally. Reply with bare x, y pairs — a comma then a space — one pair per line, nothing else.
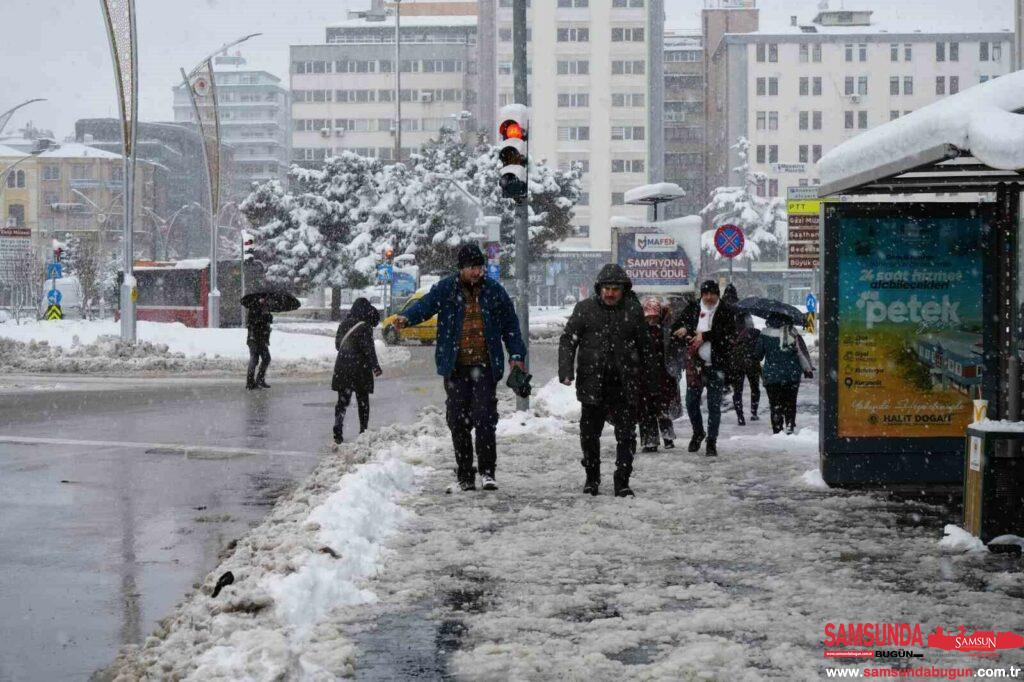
994, 479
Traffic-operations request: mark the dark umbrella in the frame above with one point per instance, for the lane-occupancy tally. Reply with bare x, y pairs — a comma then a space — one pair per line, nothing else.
764, 307
277, 301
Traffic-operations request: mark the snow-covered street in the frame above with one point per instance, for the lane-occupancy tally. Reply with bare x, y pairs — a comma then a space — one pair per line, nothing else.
719, 569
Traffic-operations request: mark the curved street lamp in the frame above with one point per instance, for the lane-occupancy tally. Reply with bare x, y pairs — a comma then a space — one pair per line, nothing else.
6, 116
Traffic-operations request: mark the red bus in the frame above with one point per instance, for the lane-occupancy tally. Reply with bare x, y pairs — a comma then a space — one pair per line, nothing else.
177, 291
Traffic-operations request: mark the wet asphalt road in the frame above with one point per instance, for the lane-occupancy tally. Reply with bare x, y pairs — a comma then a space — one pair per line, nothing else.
116, 496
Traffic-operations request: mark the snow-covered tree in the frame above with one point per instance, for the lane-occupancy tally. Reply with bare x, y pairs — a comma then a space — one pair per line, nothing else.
82, 259
762, 219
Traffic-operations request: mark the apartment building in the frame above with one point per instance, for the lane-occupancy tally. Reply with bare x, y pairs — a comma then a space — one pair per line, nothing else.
684, 121
254, 117
596, 88
800, 85
343, 91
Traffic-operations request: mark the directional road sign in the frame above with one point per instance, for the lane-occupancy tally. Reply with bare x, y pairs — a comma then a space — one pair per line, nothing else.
54, 296
729, 241
53, 313
812, 303
53, 271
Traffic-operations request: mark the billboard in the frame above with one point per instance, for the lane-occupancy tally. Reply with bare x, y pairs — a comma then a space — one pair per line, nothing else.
653, 260
15, 254
803, 209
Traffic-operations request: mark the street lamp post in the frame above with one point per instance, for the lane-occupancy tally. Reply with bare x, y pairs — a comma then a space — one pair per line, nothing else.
6, 116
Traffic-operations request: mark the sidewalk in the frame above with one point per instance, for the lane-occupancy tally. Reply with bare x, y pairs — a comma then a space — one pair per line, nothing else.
719, 569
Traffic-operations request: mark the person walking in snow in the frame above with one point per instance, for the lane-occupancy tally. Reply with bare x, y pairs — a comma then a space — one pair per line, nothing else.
604, 348
742, 364
356, 364
475, 317
785, 360
661, 403
258, 321
709, 328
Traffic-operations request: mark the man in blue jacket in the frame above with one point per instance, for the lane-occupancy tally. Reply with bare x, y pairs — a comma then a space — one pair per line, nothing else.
475, 316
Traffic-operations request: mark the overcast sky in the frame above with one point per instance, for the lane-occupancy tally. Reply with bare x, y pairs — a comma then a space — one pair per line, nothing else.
58, 49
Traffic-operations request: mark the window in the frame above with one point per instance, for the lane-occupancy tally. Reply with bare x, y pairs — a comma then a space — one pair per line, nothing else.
848, 120
983, 51
773, 52
773, 153
760, 156
627, 166
16, 214
983, 79
627, 35
997, 52
627, 99
940, 85
761, 91
803, 154
816, 153
584, 199
894, 114
574, 67
848, 51
575, 99
894, 85
582, 231
574, 35
573, 133
573, 3
805, 86
862, 52
894, 52
631, 68
954, 52
940, 52
760, 52
773, 188
773, 86
627, 132
51, 172
816, 52
618, 198
954, 84
761, 120
805, 53
862, 119
908, 85
16, 179
805, 120
628, 3
760, 187
773, 120
862, 85
816, 85
849, 86
816, 120
908, 52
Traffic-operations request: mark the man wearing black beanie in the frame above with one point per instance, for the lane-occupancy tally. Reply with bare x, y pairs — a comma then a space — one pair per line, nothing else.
475, 317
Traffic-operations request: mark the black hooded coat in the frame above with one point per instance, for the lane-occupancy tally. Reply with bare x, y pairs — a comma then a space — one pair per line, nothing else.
357, 355
599, 339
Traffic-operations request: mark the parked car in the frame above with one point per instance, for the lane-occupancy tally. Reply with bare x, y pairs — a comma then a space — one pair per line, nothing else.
425, 332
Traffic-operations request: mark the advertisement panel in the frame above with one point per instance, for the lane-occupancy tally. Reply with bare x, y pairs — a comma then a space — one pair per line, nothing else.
15, 252
653, 260
909, 323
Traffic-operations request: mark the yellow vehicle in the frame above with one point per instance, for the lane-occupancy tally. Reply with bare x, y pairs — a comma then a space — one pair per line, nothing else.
424, 332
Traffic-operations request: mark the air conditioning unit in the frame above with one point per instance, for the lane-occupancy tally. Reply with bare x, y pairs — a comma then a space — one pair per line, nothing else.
325, 132
339, 133
855, 99
426, 97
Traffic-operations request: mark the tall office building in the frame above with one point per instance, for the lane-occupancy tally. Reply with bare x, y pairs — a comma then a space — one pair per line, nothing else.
684, 121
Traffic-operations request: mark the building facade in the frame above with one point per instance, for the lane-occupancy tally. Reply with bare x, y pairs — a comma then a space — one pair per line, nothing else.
343, 92
596, 89
684, 122
255, 121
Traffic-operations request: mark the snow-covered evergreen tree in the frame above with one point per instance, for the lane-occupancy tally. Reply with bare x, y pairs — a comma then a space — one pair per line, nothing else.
762, 219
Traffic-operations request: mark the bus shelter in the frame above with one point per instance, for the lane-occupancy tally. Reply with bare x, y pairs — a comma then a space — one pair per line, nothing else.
922, 287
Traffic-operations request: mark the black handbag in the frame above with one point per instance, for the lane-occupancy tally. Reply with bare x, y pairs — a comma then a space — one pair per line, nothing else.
519, 382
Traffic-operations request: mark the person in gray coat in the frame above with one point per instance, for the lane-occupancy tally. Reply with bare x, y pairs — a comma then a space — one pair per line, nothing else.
785, 358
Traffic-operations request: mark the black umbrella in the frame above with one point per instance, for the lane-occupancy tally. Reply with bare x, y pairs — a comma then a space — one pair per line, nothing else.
763, 307
277, 301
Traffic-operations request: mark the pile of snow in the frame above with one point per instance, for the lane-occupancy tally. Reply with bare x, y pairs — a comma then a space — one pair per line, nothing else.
547, 323
956, 539
557, 400
311, 559
95, 346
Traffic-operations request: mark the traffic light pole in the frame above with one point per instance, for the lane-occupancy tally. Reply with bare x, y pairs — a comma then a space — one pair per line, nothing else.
519, 52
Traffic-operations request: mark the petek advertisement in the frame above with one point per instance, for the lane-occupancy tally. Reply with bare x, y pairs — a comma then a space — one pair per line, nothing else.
910, 325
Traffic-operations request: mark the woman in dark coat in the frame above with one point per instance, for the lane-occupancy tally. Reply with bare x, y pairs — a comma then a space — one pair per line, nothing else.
356, 365
743, 365
661, 399
785, 361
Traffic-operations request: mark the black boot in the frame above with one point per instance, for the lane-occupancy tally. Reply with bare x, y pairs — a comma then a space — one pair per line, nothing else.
753, 416
261, 383
467, 478
649, 448
622, 484
669, 443
711, 450
739, 419
695, 442
593, 481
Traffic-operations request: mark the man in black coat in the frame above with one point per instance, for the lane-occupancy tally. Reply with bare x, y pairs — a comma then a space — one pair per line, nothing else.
709, 327
604, 348
356, 364
258, 321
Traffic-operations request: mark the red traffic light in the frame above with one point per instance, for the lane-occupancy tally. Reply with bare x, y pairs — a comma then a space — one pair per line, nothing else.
511, 129
389, 253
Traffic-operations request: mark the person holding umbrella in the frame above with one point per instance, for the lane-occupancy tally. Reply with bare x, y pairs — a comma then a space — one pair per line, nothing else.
785, 361
259, 305
743, 366
356, 364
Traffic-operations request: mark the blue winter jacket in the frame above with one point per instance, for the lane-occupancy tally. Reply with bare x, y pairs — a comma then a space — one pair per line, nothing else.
501, 324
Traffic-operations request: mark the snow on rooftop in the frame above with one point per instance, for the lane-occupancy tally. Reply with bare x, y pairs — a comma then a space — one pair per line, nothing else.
656, 192
407, 22
980, 119
891, 16
10, 151
77, 150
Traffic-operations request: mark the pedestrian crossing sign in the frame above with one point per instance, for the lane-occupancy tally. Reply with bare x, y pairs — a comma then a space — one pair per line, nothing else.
53, 313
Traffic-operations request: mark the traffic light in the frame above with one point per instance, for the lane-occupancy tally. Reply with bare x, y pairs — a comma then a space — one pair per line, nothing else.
58, 251
248, 246
389, 254
513, 138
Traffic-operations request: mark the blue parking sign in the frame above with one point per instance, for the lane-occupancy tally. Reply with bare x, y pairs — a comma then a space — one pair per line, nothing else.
53, 271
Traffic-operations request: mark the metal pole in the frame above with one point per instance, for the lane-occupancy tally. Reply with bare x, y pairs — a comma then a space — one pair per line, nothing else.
398, 81
522, 205
128, 290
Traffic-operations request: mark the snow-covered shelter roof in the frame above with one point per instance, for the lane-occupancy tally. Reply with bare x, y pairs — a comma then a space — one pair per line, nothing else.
983, 122
407, 22
655, 193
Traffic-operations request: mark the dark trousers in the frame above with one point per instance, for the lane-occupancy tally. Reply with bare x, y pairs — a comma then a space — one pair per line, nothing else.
363, 403
753, 376
782, 404
654, 423
713, 380
259, 355
472, 406
614, 408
